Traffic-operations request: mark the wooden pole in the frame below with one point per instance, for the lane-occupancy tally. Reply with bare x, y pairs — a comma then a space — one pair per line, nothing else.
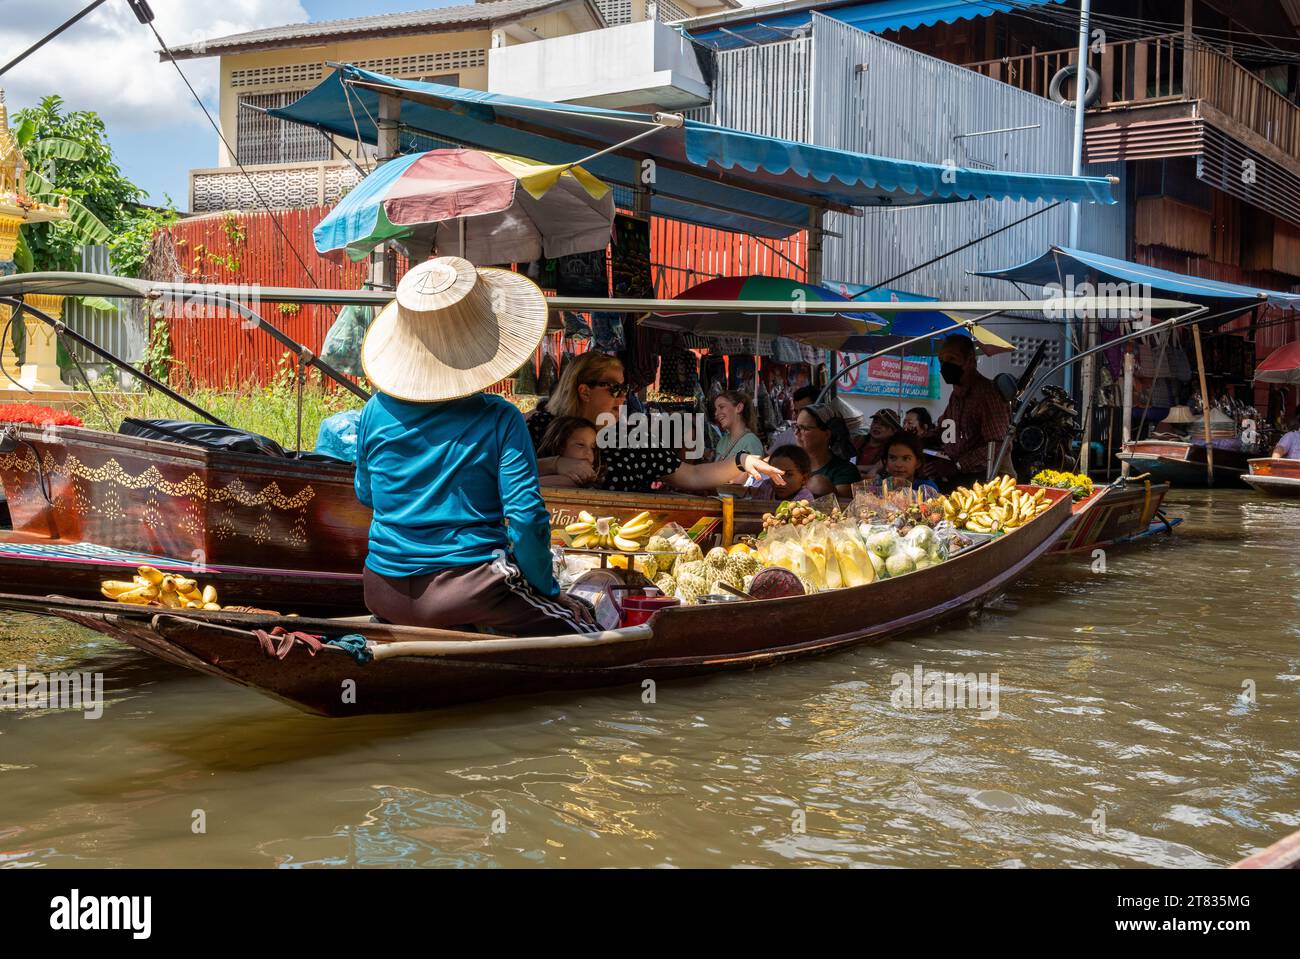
1088, 386
1126, 426
1205, 405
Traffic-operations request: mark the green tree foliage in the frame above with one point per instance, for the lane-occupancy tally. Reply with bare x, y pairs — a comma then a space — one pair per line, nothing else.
67, 154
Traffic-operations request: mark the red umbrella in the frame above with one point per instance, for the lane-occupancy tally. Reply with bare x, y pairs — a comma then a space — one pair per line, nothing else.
1281, 366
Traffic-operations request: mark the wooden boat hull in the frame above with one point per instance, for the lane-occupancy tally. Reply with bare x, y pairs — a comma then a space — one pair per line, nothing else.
225, 510
686, 641
1113, 515
31, 566
1275, 477
1183, 464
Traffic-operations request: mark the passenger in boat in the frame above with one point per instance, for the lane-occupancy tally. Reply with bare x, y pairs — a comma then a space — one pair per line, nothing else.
821, 433
978, 412
574, 438
918, 422
1288, 447
903, 461
802, 397
734, 414
870, 446
797, 467
592, 387
460, 536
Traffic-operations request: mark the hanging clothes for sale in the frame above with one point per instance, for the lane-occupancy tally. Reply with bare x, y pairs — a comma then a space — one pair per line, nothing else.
678, 370
526, 379
582, 274
548, 373
575, 327
632, 279
607, 333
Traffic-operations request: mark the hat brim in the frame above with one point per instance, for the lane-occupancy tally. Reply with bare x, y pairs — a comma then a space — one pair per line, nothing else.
401, 365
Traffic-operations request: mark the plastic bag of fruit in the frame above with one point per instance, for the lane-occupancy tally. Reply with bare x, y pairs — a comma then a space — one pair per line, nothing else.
856, 568
783, 546
816, 542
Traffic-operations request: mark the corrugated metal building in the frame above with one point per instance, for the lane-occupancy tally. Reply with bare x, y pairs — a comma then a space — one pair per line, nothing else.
841, 87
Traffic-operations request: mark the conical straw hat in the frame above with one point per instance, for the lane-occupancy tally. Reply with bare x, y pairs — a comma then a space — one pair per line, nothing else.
453, 331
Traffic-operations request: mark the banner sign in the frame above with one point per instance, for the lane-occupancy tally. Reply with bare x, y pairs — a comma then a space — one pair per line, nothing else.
891, 376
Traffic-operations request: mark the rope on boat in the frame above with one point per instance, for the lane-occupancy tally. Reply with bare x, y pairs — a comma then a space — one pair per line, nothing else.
355, 645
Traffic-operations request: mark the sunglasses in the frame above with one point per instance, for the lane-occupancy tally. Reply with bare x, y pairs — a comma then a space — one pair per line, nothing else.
799, 428
615, 388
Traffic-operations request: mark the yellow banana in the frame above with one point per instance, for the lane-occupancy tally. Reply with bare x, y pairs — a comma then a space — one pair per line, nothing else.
150, 575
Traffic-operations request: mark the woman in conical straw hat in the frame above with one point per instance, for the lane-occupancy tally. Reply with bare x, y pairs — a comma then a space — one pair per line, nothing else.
460, 535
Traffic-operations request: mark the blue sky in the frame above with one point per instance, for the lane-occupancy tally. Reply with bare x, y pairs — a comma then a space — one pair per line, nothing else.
106, 63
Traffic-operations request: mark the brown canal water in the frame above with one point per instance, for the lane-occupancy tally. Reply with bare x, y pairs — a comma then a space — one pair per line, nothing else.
1123, 691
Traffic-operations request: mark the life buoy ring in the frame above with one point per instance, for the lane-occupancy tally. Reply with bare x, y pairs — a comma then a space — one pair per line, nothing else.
1092, 85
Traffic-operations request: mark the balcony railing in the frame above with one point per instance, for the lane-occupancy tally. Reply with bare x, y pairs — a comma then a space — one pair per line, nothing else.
1157, 69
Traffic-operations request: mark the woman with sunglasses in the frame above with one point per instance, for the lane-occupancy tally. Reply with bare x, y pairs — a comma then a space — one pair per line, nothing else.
822, 434
593, 387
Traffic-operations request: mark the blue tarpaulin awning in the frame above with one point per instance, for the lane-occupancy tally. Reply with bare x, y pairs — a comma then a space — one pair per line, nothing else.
870, 17
701, 173
1067, 268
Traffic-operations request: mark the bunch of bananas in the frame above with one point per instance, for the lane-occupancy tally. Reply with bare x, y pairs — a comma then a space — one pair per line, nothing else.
606, 532
1078, 484
993, 506
152, 587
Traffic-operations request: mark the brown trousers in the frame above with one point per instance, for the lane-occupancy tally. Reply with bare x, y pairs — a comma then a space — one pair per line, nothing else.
493, 594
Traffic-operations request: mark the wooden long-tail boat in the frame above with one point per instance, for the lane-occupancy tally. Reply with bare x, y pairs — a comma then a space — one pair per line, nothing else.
416, 669
88, 506
1116, 514
1183, 464
1275, 477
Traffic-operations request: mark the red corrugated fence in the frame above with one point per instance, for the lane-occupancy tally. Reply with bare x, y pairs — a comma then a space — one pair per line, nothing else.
216, 350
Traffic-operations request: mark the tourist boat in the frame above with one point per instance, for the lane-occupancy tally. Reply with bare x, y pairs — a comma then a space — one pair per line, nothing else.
87, 506
1183, 464
1275, 477
415, 669
1115, 514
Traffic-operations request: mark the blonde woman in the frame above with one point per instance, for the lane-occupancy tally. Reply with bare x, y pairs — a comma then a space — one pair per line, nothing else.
593, 386
734, 414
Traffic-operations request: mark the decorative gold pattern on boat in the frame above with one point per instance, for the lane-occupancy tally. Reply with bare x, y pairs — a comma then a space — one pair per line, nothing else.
192, 486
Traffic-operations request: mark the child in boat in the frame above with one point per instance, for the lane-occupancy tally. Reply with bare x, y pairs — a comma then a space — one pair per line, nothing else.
573, 437
903, 458
796, 465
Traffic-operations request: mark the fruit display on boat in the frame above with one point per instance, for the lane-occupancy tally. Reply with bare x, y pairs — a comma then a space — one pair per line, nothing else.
992, 507
152, 587
1079, 485
605, 532
795, 512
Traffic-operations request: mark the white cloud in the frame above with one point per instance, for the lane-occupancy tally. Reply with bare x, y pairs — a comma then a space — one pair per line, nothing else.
107, 62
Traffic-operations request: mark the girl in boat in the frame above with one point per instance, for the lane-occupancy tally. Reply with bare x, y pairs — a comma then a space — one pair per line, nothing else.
593, 387
821, 432
734, 414
460, 536
574, 438
870, 448
903, 459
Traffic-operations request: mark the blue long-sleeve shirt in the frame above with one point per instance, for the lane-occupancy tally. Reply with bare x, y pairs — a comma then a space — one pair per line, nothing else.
450, 484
